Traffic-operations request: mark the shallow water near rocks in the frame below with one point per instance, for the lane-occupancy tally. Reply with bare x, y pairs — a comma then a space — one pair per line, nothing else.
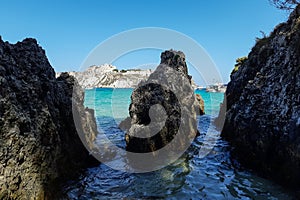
193, 176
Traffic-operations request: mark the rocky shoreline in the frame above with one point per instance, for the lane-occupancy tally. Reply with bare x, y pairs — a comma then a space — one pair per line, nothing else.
262, 120
39, 143
40, 146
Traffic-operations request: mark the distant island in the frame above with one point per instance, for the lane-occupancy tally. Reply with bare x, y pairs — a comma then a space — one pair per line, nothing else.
109, 76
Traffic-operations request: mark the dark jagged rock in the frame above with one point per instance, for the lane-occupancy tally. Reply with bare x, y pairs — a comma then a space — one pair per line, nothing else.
263, 105
39, 144
160, 104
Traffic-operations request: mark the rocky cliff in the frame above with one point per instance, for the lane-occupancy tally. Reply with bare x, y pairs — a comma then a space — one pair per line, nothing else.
162, 107
263, 105
39, 144
108, 76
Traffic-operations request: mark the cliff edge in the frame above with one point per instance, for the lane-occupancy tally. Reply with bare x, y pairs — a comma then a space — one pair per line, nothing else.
262, 120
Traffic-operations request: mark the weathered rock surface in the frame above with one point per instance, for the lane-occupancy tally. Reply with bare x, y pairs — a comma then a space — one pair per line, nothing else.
107, 76
201, 104
263, 105
162, 106
39, 144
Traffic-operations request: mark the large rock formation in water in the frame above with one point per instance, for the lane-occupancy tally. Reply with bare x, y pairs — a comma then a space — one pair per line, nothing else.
39, 144
163, 107
263, 105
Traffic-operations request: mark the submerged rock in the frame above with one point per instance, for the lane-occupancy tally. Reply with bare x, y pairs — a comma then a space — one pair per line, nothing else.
263, 105
162, 107
39, 144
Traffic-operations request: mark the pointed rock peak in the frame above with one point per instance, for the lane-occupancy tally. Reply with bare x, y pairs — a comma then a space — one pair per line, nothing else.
30, 40
30, 44
174, 59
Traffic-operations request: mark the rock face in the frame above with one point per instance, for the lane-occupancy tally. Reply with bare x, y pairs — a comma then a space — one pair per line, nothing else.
201, 104
162, 106
263, 105
39, 144
107, 76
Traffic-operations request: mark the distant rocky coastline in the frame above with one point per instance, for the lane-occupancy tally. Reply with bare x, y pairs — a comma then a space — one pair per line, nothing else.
39, 143
108, 76
262, 120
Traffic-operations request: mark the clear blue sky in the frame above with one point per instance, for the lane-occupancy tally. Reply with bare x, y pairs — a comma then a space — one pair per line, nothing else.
69, 30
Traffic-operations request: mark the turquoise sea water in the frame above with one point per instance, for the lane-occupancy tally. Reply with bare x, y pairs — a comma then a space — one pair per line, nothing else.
214, 176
